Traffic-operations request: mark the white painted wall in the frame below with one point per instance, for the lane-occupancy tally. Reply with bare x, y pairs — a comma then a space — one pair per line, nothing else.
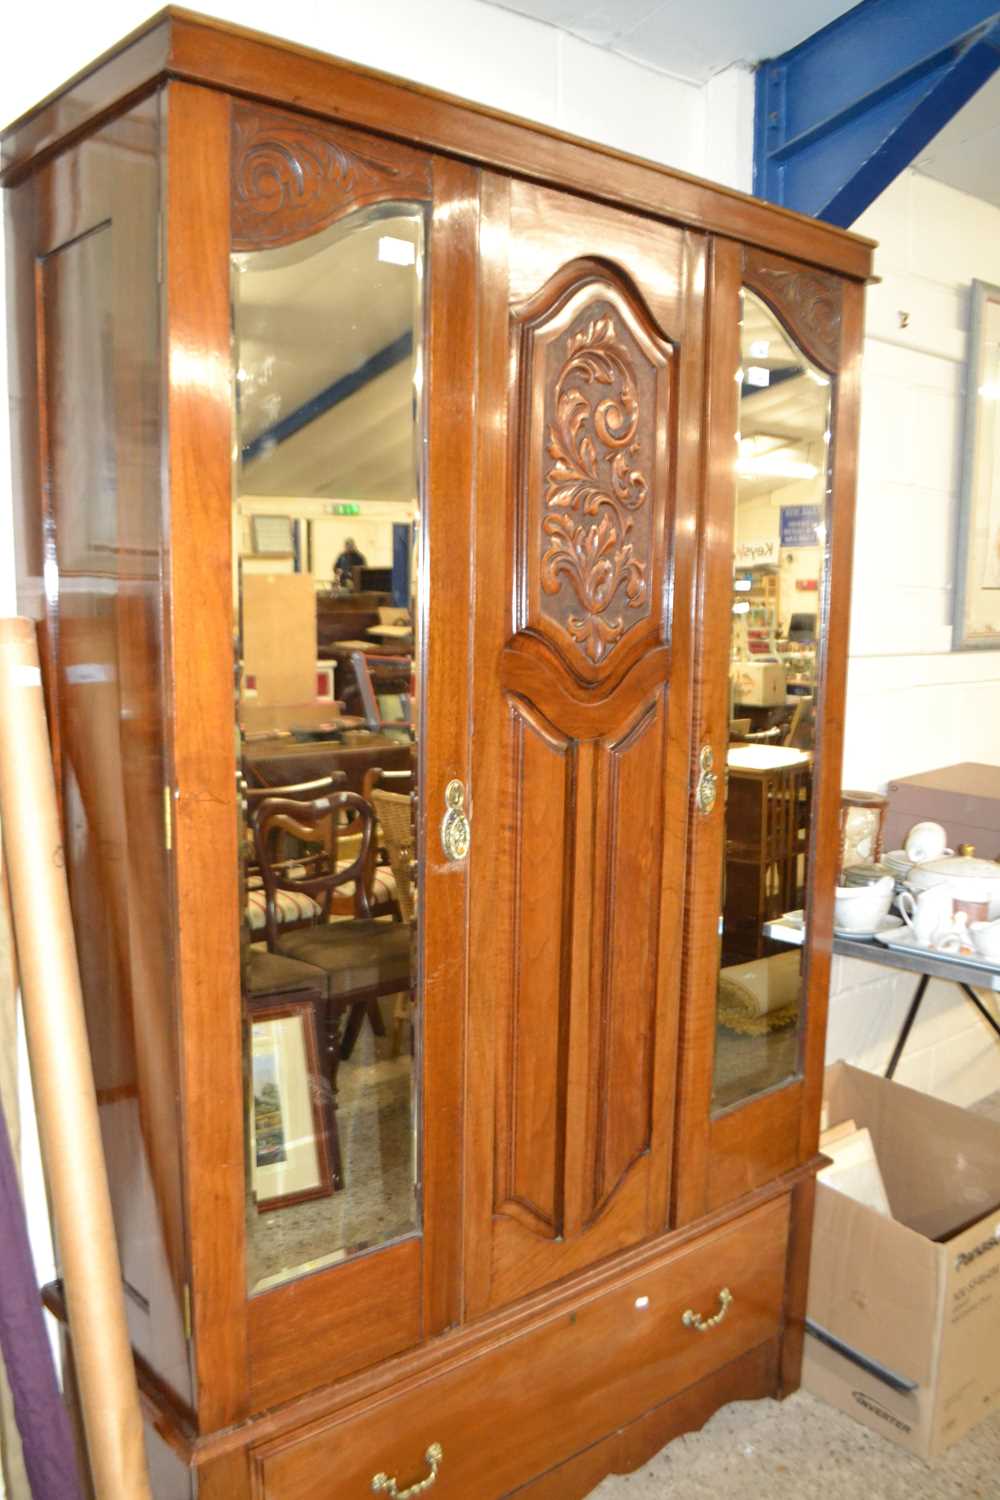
912, 703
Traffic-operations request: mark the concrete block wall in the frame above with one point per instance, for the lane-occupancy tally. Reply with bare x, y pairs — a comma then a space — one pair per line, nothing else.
913, 703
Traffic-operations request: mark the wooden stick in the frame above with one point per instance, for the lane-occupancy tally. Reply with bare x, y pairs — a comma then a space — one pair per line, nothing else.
62, 1076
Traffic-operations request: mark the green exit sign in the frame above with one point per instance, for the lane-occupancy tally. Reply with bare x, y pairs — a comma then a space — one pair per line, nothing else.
345, 508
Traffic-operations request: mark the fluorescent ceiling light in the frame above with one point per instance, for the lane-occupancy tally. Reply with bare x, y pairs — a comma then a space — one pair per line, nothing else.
774, 466
757, 462
396, 252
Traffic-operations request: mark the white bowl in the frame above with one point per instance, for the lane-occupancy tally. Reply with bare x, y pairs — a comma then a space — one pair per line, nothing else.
860, 908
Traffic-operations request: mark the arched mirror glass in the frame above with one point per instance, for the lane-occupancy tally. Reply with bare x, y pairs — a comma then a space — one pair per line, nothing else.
327, 477
781, 495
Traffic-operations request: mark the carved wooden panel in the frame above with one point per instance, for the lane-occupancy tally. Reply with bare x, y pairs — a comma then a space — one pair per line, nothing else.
593, 468
531, 1134
585, 495
293, 175
807, 301
629, 833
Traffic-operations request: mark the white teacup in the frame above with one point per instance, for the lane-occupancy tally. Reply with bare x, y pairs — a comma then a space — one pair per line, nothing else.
928, 914
860, 908
986, 939
926, 841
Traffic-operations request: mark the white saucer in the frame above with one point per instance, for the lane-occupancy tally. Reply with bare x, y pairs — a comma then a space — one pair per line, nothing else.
902, 937
886, 926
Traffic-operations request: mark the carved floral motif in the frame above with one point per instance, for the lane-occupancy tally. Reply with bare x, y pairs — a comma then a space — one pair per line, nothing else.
811, 303
290, 178
594, 486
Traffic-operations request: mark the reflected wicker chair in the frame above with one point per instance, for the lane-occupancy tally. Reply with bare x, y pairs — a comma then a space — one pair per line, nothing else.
394, 811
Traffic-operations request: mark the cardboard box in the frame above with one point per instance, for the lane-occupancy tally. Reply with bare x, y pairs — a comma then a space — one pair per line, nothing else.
964, 799
761, 683
918, 1292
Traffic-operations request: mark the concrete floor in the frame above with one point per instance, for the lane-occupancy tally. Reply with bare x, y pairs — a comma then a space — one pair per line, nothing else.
802, 1449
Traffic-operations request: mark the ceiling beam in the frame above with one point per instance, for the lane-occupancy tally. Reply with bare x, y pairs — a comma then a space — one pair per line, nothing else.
841, 115
332, 395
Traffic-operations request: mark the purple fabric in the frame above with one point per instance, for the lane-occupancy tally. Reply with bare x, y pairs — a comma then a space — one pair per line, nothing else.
42, 1419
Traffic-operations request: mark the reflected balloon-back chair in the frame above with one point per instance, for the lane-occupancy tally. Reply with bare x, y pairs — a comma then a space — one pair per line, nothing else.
291, 909
362, 957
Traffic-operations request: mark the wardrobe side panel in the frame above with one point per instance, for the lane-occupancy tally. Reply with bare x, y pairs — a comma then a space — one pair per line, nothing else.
95, 537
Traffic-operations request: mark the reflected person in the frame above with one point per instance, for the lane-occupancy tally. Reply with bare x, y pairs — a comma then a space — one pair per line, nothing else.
347, 561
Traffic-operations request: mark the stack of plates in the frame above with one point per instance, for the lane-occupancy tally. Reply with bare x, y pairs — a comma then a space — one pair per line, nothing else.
898, 863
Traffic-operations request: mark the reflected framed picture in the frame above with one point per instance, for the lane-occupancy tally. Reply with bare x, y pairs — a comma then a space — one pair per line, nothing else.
272, 536
977, 574
288, 1130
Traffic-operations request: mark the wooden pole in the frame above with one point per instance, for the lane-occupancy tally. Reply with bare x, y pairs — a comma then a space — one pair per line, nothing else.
62, 1076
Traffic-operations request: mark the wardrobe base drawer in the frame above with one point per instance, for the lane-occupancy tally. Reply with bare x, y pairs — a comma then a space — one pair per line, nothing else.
516, 1409
748, 1378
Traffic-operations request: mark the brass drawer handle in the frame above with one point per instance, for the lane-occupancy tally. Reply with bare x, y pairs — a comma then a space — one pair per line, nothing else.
696, 1321
385, 1484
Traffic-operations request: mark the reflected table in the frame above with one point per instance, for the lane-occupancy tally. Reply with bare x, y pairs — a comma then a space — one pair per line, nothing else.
282, 762
956, 969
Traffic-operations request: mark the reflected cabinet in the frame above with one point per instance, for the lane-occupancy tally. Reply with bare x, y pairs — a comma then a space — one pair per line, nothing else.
439, 534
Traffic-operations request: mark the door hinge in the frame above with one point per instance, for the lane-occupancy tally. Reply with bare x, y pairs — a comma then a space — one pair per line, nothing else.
159, 249
186, 1309
168, 817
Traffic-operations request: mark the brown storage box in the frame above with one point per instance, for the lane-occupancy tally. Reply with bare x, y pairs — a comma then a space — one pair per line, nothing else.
964, 799
919, 1292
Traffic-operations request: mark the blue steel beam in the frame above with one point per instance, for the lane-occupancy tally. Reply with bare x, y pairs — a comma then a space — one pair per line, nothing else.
842, 114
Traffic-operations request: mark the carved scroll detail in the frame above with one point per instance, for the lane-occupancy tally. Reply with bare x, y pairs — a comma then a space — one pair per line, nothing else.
291, 177
593, 487
810, 301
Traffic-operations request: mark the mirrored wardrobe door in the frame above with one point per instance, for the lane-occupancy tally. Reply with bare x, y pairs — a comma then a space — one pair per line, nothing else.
781, 490
329, 313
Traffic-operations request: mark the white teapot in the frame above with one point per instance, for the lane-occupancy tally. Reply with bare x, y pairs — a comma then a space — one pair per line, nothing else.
974, 884
928, 914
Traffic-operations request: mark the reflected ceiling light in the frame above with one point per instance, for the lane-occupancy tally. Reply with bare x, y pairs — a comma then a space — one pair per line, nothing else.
774, 466
758, 375
755, 462
759, 348
396, 252
817, 378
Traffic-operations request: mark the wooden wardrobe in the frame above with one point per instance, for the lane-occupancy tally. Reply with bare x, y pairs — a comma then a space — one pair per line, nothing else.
603, 1247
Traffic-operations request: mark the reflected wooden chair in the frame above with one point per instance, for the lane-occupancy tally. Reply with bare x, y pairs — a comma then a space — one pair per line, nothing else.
362, 957
292, 909
383, 684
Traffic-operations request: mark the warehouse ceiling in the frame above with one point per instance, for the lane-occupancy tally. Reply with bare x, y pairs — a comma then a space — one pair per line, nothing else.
689, 41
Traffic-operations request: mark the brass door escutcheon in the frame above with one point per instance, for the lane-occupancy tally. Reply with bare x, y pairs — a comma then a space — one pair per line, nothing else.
455, 831
385, 1484
708, 782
